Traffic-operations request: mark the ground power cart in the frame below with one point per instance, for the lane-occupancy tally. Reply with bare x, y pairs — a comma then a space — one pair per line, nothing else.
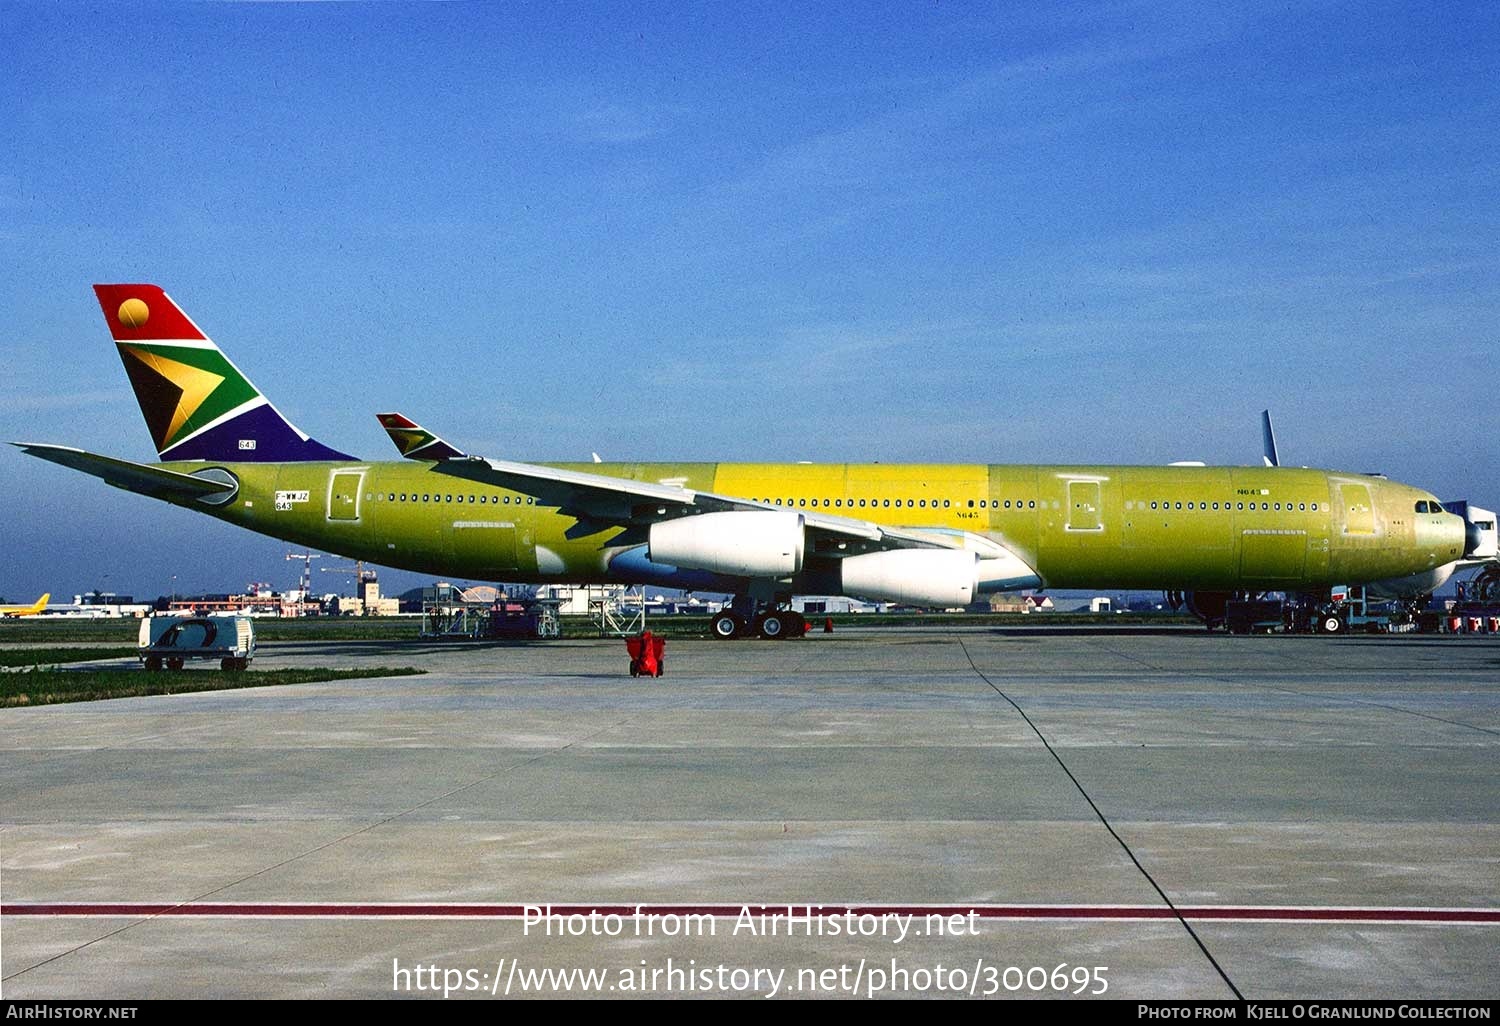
169, 641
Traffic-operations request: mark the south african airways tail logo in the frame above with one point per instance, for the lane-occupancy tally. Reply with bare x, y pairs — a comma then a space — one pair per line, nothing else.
197, 404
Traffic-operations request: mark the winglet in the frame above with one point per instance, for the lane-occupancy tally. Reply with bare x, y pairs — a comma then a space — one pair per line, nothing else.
414, 441
1268, 440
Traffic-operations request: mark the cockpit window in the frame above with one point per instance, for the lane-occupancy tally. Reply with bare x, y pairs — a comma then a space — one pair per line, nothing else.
1437, 507
1422, 507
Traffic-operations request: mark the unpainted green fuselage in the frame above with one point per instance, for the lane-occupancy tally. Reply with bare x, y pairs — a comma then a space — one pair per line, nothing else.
1104, 527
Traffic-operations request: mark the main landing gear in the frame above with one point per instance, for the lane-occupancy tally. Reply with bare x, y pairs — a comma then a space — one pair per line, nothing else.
746, 617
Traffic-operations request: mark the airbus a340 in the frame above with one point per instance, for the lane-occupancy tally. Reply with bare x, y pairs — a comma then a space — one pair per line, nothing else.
920, 534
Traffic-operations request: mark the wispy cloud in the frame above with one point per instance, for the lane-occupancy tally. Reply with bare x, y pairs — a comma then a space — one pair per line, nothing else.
28, 402
620, 121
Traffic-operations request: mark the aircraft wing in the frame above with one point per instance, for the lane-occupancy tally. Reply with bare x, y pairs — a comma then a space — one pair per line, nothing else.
157, 482
600, 502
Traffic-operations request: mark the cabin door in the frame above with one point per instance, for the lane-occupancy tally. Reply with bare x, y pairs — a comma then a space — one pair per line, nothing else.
343, 494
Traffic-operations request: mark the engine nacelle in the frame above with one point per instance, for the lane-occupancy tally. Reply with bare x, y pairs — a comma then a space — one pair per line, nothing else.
916, 577
742, 543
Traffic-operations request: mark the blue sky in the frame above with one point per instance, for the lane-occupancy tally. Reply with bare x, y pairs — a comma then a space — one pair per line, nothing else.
928, 231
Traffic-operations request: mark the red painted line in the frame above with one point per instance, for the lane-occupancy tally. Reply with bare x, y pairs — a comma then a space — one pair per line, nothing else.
346, 910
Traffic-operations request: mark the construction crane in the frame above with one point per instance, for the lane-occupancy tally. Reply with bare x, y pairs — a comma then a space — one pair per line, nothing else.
361, 575
361, 578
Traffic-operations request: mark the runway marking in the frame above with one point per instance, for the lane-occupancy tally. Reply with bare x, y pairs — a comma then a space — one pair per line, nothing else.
799, 910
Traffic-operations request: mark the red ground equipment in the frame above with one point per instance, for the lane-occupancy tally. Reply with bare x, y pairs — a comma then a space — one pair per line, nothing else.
648, 655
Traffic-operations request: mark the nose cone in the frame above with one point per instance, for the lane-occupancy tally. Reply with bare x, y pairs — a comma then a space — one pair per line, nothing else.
1441, 538
1455, 534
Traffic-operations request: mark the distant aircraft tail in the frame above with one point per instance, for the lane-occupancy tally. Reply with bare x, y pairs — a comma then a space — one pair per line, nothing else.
41, 603
414, 441
197, 404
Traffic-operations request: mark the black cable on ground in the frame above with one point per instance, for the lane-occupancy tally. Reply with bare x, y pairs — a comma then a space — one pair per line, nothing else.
1103, 819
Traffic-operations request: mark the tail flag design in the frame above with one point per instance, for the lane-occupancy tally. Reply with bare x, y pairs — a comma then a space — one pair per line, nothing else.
197, 404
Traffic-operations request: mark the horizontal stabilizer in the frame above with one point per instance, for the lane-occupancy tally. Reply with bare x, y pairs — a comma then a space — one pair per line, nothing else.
157, 482
414, 441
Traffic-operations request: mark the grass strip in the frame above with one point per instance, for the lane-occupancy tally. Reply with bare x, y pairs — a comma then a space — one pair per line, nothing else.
50, 687
53, 656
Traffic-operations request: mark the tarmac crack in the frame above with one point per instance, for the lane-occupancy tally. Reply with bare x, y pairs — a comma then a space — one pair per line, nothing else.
1107, 825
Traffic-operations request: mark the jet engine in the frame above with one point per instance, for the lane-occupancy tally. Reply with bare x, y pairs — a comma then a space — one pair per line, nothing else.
917, 577
741, 543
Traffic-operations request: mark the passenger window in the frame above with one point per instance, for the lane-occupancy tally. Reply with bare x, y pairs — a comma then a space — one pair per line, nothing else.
945, 503
1033, 504
1153, 505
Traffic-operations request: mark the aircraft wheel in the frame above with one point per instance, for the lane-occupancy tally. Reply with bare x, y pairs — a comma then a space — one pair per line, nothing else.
727, 626
1331, 625
174, 664
774, 626
153, 664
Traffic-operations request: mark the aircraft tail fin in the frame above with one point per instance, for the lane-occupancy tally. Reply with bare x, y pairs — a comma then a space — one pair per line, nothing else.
197, 404
414, 441
41, 603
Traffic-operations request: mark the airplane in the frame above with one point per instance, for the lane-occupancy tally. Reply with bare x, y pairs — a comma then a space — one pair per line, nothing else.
931, 535
32, 610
